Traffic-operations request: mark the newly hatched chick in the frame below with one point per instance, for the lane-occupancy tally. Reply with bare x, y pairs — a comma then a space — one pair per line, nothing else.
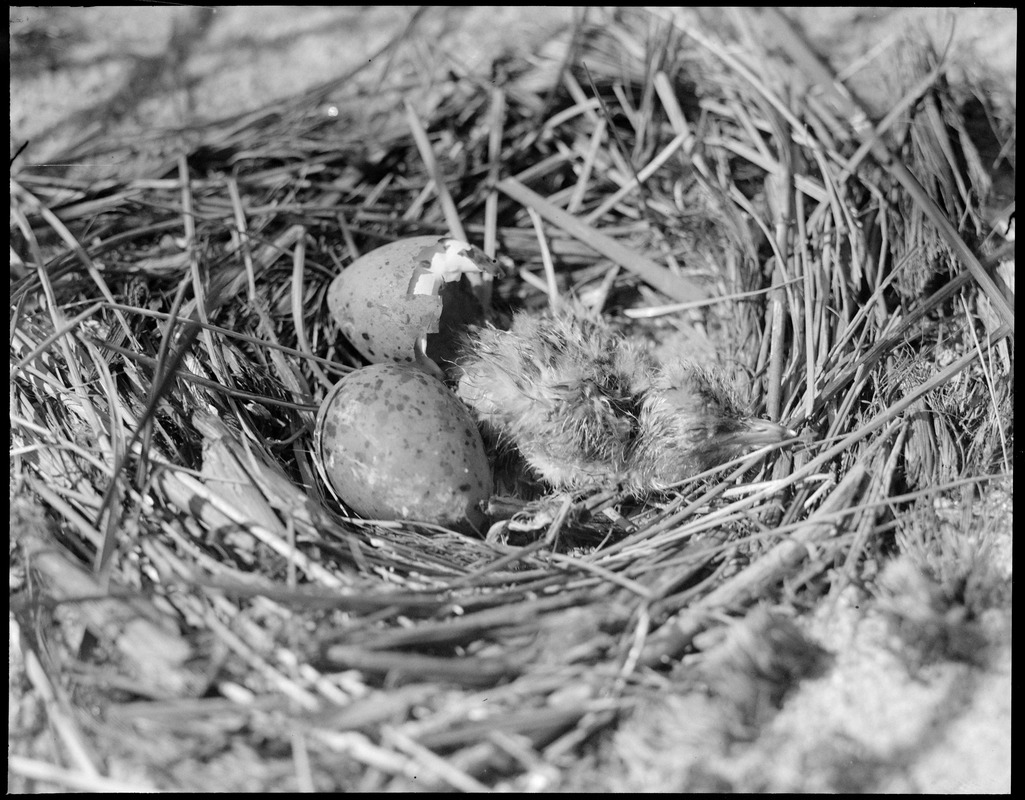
588, 408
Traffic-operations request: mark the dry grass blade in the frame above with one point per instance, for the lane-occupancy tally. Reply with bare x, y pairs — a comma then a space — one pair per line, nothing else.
676, 287
423, 144
70, 780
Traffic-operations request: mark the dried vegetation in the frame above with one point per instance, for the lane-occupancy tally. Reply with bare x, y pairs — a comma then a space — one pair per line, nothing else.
195, 612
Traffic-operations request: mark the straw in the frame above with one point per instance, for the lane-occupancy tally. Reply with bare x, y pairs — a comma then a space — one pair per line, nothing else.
194, 609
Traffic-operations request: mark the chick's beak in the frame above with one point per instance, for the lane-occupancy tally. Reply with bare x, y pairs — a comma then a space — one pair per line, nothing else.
758, 432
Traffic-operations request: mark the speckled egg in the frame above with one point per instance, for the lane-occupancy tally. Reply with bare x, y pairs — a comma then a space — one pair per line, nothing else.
408, 292
395, 443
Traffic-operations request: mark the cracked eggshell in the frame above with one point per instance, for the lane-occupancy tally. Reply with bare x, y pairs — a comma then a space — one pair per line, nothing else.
395, 443
389, 298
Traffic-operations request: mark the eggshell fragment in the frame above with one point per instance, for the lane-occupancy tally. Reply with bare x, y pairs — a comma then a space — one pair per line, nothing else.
395, 443
410, 292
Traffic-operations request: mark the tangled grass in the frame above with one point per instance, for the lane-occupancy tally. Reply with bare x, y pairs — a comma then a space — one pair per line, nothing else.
195, 611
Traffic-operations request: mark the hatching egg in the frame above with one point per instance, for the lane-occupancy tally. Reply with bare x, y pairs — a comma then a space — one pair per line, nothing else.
408, 294
395, 443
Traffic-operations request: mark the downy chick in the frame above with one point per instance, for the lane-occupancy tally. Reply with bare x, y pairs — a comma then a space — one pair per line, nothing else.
588, 408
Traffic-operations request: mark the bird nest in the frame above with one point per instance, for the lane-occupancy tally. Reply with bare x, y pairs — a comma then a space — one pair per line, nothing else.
193, 602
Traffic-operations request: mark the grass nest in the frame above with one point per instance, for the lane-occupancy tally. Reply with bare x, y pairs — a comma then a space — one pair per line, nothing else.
194, 610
